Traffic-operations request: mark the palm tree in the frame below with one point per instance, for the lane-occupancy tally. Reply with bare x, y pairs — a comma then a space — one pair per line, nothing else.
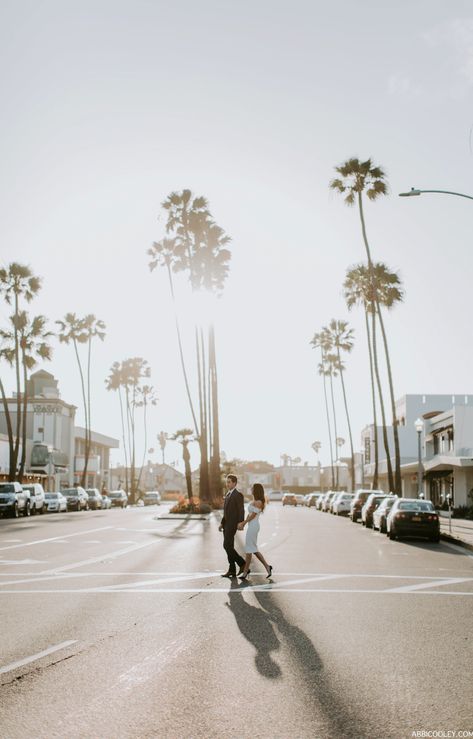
115, 382
146, 397
341, 339
82, 331
162, 438
355, 178
134, 371
359, 289
319, 341
183, 436
17, 282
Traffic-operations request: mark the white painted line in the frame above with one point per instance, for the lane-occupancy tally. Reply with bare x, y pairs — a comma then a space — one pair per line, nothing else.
422, 585
272, 585
242, 589
21, 562
54, 538
138, 584
12, 541
34, 657
103, 557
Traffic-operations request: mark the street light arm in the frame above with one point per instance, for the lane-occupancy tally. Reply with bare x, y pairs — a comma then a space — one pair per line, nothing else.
414, 192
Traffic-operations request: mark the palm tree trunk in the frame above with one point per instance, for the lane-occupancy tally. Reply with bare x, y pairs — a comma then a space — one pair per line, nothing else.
6, 410
381, 401
129, 436
187, 468
205, 415
204, 469
215, 460
328, 420
181, 353
133, 445
124, 438
18, 390
397, 450
84, 400
146, 442
348, 421
373, 396
335, 430
25, 417
88, 431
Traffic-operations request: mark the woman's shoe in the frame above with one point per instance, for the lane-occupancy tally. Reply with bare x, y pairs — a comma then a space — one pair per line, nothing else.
244, 576
270, 572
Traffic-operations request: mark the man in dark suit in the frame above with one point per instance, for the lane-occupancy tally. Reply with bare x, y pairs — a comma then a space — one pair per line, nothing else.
233, 514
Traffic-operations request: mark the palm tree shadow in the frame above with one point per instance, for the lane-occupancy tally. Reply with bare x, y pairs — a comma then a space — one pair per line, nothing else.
255, 625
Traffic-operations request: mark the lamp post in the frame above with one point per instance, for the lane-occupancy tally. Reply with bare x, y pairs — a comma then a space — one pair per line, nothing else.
419, 425
362, 455
413, 192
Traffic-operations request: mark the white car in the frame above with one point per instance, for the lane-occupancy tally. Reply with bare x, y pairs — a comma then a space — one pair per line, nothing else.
275, 495
37, 501
300, 499
106, 502
56, 502
341, 506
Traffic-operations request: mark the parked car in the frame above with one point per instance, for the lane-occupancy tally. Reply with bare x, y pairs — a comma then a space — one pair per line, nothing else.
300, 499
341, 507
413, 517
275, 495
311, 499
95, 499
320, 500
327, 499
77, 499
381, 513
152, 497
106, 502
358, 502
14, 500
37, 501
371, 503
289, 499
332, 501
55, 502
118, 498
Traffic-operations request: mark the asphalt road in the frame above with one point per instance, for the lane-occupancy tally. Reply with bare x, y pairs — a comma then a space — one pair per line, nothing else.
115, 624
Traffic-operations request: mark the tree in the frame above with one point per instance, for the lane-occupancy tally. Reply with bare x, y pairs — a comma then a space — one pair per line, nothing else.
82, 331
146, 396
341, 340
319, 341
355, 178
17, 283
115, 382
183, 436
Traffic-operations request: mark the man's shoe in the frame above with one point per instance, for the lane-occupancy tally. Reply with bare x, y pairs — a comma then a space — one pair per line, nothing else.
229, 574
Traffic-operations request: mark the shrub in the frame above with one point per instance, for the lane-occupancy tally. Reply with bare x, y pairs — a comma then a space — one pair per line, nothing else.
194, 505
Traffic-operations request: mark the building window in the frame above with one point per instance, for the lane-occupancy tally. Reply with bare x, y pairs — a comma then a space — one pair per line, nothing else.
367, 459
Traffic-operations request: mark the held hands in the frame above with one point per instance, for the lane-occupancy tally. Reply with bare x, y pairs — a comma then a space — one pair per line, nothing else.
220, 528
241, 526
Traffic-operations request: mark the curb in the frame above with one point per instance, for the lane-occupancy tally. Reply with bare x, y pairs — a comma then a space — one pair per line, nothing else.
459, 542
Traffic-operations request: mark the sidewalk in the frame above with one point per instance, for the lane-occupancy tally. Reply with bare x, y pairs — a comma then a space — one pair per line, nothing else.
461, 531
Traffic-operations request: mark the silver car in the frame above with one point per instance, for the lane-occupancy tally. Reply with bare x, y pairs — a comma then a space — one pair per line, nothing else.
55, 502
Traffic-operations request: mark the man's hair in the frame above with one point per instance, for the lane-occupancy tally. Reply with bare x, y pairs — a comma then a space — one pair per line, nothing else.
233, 478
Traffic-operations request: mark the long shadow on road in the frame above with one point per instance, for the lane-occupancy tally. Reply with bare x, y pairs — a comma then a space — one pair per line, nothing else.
269, 630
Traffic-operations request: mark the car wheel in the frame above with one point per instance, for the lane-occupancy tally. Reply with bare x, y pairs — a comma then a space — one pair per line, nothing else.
27, 511
435, 539
41, 510
392, 534
16, 512
368, 525
33, 511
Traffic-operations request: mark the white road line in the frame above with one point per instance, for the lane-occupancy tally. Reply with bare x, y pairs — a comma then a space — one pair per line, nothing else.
261, 588
271, 586
422, 585
166, 580
34, 657
54, 538
102, 557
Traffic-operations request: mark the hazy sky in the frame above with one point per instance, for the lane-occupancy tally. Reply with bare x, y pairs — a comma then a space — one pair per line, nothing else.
109, 106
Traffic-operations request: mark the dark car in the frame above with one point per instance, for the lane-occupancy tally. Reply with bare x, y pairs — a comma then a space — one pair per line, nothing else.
361, 496
14, 500
119, 499
95, 499
413, 517
77, 499
381, 513
371, 504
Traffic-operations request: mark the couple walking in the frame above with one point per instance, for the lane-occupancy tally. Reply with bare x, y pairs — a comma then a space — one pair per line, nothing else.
233, 520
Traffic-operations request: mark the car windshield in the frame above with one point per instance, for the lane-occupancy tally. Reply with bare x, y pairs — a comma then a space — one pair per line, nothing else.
51, 495
115, 495
91, 493
421, 505
7, 488
70, 491
29, 488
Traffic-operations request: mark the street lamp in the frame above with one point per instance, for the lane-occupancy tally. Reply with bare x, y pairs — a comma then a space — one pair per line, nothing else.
413, 192
419, 425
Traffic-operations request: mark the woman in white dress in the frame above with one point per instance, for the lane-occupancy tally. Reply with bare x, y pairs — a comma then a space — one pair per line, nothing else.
255, 509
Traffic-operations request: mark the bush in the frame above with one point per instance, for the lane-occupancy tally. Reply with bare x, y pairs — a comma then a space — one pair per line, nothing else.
463, 512
194, 505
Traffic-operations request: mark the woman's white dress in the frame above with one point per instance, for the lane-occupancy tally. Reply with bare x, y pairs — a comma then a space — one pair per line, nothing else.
252, 530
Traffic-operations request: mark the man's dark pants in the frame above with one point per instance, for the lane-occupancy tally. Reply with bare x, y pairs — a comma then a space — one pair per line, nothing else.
229, 546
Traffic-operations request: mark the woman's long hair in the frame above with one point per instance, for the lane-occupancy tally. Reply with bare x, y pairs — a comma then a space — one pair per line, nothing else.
258, 493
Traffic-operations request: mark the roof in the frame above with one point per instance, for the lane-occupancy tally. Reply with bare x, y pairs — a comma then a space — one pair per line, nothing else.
96, 438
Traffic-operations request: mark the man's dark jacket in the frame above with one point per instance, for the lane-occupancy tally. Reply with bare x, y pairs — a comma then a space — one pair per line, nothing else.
233, 510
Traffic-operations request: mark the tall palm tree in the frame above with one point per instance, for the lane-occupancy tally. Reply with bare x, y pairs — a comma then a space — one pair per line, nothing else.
115, 382
319, 341
82, 331
146, 396
183, 436
359, 289
356, 177
341, 339
17, 283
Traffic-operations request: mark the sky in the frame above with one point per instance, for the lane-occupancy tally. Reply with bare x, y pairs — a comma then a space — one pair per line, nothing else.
107, 107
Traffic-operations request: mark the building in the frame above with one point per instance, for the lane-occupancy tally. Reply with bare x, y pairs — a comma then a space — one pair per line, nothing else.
98, 464
446, 447
165, 478
51, 443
